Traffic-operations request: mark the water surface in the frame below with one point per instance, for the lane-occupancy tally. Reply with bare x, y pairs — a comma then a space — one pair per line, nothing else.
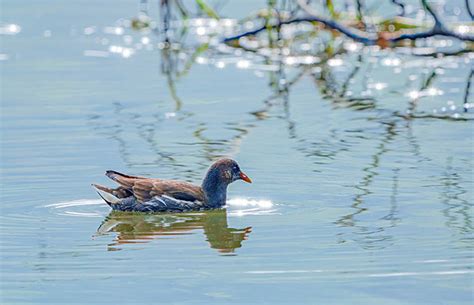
353, 201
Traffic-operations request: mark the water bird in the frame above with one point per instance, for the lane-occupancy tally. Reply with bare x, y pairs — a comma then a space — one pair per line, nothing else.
141, 194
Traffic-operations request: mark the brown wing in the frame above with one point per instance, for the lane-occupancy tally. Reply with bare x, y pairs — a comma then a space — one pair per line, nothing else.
145, 189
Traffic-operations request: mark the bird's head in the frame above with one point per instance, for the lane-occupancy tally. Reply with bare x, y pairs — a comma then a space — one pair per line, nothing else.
228, 171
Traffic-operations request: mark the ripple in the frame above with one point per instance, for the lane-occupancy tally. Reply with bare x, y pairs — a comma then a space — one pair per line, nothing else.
79, 208
362, 273
75, 203
236, 207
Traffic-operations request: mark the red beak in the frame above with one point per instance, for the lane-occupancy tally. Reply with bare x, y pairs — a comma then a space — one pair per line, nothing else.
245, 177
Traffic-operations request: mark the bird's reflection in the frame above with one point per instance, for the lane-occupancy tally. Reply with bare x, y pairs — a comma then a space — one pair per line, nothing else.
142, 228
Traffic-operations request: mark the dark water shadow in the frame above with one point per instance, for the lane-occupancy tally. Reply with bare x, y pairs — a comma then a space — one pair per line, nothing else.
134, 228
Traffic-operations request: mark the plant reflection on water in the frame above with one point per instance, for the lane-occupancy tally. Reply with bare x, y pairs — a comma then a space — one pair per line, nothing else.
345, 73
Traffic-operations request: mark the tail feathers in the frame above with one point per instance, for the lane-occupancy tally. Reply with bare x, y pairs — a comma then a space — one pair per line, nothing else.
106, 194
114, 174
122, 179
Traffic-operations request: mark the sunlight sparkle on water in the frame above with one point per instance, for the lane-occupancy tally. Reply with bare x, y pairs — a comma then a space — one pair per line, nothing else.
414, 94
378, 86
115, 49
391, 61
201, 60
243, 206
10, 29
89, 30
201, 31
243, 64
434, 91
351, 46
335, 62
463, 29
228, 22
220, 64
291, 60
212, 23
245, 202
114, 30
126, 53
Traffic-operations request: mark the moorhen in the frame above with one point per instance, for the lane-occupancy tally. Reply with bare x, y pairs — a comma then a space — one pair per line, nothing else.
141, 194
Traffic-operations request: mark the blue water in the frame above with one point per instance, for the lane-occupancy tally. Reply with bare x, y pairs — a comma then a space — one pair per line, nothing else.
365, 201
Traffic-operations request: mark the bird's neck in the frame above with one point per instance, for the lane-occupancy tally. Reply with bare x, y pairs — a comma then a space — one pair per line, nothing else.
215, 190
